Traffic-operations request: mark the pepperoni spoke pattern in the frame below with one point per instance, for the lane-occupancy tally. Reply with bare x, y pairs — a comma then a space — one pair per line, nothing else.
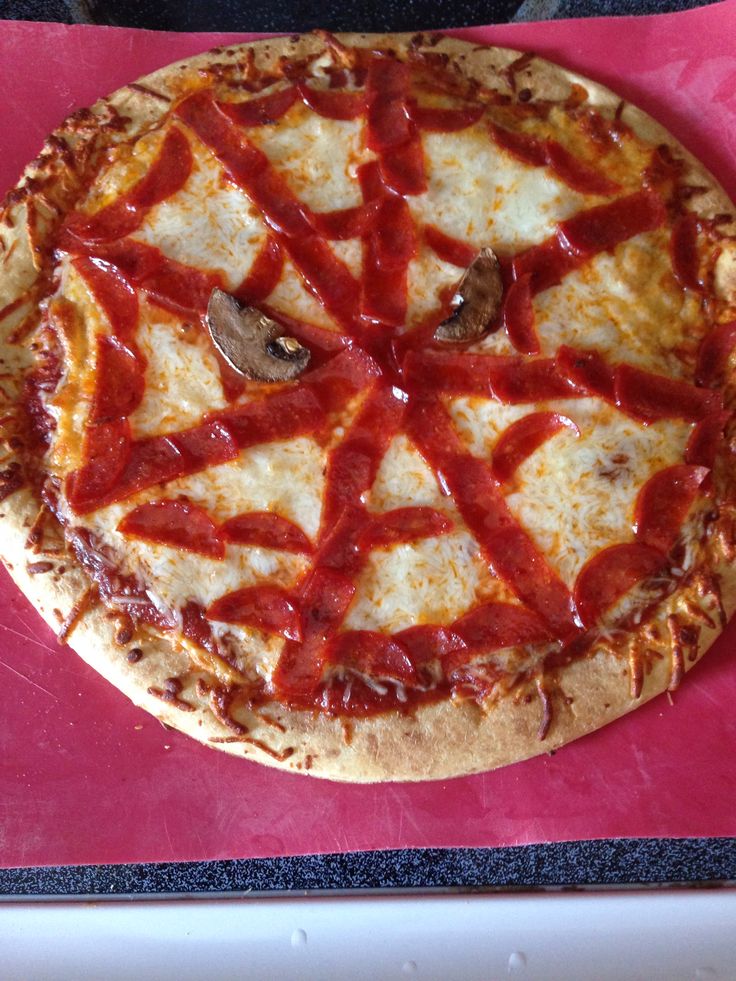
393, 381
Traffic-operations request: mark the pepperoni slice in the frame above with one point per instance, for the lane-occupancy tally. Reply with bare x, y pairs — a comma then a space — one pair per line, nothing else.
684, 252
529, 381
263, 607
426, 643
713, 355
261, 111
263, 275
106, 451
346, 222
404, 525
575, 173
663, 503
650, 397
402, 168
527, 149
437, 120
175, 523
387, 85
706, 439
112, 292
449, 249
332, 104
371, 653
266, 530
610, 574
602, 228
281, 416
588, 371
547, 264
167, 174
518, 315
119, 381
494, 626
523, 437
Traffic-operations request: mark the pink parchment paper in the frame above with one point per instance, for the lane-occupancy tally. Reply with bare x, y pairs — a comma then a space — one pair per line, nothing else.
87, 778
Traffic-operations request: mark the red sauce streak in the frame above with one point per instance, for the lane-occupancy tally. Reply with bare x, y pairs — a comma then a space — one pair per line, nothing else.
266, 530
449, 249
175, 523
260, 111
264, 607
610, 574
663, 504
523, 437
167, 174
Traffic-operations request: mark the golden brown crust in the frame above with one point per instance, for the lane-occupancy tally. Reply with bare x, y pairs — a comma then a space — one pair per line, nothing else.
436, 741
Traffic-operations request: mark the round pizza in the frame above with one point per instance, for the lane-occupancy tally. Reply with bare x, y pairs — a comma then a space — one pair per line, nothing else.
367, 400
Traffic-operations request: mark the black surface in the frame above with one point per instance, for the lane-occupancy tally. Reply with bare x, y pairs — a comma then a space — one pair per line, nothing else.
570, 864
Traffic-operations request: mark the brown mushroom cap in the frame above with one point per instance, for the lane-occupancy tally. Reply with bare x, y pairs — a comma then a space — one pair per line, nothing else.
251, 342
478, 297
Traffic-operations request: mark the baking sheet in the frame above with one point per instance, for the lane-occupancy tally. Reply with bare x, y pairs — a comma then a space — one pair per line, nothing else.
87, 778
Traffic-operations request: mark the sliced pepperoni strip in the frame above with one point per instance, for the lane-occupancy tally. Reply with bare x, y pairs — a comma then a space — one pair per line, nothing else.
449, 249
684, 252
196, 627
262, 110
167, 283
546, 264
119, 381
575, 173
326, 277
663, 503
112, 292
706, 439
426, 643
387, 87
167, 174
353, 464
435, 120
650, 397
263, 607
529, 381
511, 553
523, 437
518, 315
713, 355
332, 104
527, 149
494, 626
263, 275
175, 523
404, 525
267, 530
610, 574
282, 416
602, 228
324, 601
395, 240
374, 654
402, 168
588, 371
105, 451
346, 222
343, 376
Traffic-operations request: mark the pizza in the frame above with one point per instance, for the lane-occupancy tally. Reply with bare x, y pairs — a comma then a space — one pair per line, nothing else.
366, 402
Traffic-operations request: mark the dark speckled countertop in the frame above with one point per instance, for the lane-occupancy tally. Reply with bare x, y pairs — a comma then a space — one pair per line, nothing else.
565, 865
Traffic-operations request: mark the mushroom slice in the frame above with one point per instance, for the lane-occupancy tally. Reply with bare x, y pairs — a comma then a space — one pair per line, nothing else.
477, 300
251, 342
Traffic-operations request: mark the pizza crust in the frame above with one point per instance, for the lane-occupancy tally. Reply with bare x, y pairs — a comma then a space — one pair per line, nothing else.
435, 741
